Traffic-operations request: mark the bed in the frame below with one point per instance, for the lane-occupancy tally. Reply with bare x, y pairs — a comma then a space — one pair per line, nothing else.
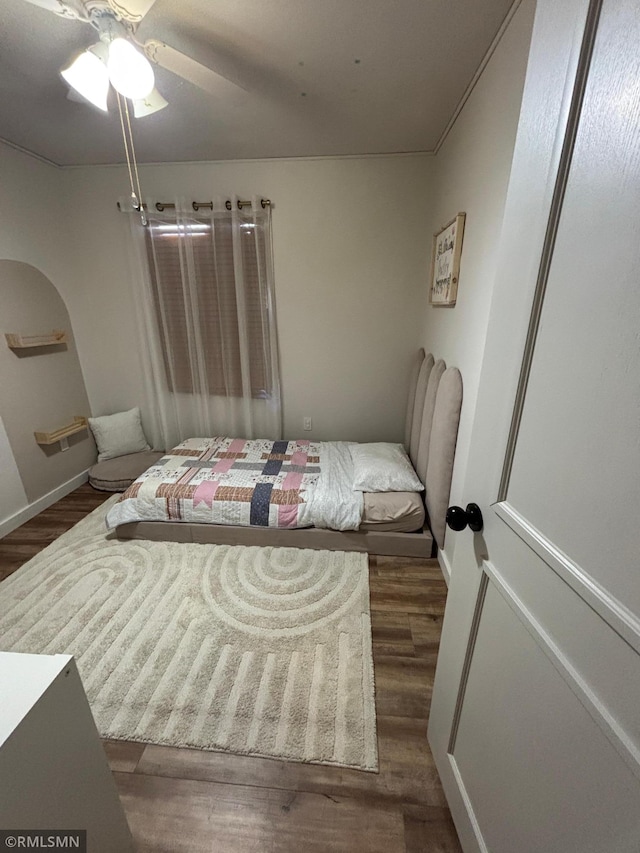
227, 490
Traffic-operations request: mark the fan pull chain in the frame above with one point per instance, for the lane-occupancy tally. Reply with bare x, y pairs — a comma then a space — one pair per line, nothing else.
136, 197
143, 215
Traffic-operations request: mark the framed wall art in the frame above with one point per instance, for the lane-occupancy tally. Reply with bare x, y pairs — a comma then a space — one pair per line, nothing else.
445, 262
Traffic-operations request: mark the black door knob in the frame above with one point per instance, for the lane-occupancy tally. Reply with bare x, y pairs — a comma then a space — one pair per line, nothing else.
458, 518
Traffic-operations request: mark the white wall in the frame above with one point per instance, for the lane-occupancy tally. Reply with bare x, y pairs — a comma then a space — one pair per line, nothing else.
351, 260
13, 497
33, 229
471, 175
42, 388
32, 226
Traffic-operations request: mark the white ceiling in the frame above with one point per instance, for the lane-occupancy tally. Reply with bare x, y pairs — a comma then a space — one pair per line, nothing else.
378, 76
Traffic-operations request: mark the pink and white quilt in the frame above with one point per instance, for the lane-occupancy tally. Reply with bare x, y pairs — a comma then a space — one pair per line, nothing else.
255, 482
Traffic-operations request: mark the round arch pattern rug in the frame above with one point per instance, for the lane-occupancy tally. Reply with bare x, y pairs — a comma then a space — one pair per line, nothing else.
258, 651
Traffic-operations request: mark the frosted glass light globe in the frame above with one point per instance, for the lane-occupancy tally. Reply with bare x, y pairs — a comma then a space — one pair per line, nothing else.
130, 72
88, 76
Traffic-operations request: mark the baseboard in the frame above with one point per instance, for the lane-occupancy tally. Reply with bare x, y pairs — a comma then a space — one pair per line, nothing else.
45, 501
445, 565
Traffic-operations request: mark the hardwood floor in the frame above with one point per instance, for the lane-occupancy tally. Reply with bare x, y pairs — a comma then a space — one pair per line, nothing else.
186, 800
26, 541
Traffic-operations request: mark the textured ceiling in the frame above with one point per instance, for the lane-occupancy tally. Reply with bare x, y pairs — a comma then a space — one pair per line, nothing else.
378, 76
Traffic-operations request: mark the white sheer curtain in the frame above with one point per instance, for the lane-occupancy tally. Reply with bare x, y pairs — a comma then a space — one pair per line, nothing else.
206, 311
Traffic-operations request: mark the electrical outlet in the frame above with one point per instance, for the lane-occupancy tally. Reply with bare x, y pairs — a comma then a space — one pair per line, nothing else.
64, 443
306, 423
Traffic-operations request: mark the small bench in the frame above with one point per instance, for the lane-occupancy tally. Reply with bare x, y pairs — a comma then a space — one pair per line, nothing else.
116, 475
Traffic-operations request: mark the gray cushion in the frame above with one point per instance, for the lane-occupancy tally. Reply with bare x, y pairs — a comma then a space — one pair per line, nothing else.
413, 380
427, 418
416, 421
116, 475
442, 447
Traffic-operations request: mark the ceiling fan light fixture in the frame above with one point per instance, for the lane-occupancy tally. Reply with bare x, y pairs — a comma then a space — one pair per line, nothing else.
88, 75
130, 72
149, 105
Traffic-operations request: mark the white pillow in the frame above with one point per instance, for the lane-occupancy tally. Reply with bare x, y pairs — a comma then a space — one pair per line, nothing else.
383, 467
119, 434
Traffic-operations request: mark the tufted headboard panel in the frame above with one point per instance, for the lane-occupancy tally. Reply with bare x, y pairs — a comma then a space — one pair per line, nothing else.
413, 381
418, 406
431, 431
427, 418
442, 448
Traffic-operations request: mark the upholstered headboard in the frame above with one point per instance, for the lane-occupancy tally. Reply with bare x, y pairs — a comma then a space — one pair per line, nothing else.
433, 416
413, 381
419, 393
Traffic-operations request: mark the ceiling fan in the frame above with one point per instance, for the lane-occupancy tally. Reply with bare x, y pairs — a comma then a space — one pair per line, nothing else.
119, 60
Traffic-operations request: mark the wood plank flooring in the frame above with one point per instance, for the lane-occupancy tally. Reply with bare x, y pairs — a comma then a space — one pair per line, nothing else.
186, 800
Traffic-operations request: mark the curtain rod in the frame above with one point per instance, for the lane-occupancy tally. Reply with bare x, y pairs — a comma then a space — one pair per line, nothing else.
196, 205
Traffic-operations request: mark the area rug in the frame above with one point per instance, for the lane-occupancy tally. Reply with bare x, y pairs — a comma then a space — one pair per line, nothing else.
259, 651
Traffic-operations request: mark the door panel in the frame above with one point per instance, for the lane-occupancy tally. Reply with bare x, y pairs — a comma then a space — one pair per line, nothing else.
523, 740
534, 723
573, 476
599, 666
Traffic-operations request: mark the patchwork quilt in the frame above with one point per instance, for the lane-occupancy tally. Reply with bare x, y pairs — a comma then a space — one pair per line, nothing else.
255, 482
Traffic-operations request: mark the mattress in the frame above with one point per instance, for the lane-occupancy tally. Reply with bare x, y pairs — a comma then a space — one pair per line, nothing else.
262, 483
392, 512
247, 483
384, 512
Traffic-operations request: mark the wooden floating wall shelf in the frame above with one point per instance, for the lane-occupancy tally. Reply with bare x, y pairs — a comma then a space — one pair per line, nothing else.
78, 425
48, 340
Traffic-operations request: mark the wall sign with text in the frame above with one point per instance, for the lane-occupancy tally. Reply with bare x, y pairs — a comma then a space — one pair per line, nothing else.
445, 261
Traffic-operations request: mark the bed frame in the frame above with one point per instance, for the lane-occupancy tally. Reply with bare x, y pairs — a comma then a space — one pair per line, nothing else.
369, 541
433, 414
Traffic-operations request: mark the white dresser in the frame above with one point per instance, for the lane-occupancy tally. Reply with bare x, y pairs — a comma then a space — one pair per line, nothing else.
53, 770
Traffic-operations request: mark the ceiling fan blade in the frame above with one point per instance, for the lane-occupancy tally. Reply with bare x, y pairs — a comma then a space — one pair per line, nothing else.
131, 10
72, 9
187, 68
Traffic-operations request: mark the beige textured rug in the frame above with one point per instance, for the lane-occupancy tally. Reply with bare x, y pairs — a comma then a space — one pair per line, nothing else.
260, 651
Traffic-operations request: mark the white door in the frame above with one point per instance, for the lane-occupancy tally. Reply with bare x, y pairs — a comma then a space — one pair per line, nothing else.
535, 721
